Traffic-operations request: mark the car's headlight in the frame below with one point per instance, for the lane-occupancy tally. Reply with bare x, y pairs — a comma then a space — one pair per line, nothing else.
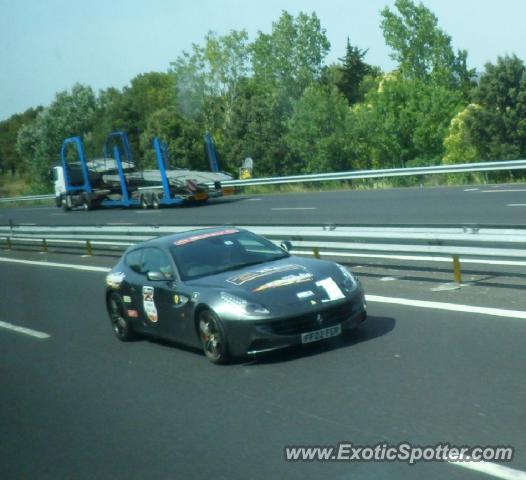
349, 281
242, 307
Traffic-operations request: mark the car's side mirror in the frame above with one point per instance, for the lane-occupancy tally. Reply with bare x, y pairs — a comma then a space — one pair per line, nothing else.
156, 276
286, 245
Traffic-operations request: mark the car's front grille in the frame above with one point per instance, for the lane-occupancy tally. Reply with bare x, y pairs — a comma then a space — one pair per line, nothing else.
311, 321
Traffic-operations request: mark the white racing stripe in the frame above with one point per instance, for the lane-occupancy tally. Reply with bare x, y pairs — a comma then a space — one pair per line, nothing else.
454, 307
493, 469
25, 331
87, 268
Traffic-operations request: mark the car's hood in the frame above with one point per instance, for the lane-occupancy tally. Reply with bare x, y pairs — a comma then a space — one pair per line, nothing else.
280, 282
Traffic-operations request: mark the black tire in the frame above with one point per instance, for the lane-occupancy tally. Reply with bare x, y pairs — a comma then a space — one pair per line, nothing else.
155, 201
87, 202
58, 201
65, 205
213, 337
144, 201
120, 323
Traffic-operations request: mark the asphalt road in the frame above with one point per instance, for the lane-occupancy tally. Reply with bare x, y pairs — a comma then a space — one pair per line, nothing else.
484, 205
80, 404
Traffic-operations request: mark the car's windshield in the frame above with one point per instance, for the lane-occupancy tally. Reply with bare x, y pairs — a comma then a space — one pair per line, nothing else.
208, 255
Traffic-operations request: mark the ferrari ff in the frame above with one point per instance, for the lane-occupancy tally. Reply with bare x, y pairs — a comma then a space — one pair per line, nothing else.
230, 293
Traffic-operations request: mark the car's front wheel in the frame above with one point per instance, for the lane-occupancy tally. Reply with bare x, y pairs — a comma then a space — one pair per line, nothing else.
213, 338
120, 323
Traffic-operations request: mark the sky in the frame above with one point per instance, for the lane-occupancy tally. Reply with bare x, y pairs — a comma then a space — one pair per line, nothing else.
46, 46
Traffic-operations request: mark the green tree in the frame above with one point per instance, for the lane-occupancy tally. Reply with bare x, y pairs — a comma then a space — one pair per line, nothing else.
207, 78
183, 136
404, 122
316, 130
498, 128
39, 143
10, 160
422, 49
353, 71
292, 56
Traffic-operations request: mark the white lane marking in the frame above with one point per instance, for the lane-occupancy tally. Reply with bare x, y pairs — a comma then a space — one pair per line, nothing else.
387, 279
516, 205
416, 258
295, 208
252, 199
454, 307
470, 189
504, 191
370, 298
493, 469
87, 268
121, 223
25, 331
147, 211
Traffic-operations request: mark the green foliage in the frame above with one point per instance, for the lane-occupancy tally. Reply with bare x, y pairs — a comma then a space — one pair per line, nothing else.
39, 143
275, 100
353, 71
10, 160
498, 128
291, 57
405, 119
423, 50
316, 130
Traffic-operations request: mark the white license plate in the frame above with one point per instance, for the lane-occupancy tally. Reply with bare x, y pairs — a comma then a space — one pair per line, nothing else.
322, 334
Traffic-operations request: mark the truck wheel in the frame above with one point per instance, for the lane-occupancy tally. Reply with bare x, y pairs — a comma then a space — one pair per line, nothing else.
87, 202
143, 201
58, 201
155, 201
65, 205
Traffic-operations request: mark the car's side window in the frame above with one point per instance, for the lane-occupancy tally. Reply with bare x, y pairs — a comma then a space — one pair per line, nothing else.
155, 260
134, 260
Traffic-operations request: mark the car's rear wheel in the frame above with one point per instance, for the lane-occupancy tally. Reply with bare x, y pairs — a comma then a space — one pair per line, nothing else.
120, 323
213, 338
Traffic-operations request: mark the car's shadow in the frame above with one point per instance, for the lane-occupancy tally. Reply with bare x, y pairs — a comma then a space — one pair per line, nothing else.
373, 328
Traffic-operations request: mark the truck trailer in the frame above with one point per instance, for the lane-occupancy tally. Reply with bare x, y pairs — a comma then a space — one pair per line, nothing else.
114, 181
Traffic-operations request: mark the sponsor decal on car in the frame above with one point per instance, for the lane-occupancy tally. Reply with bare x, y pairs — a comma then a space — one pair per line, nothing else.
133, 313
114, 279
126, 299
331, 289
262, 272
195, 238
284, 281
149, 304
306, 294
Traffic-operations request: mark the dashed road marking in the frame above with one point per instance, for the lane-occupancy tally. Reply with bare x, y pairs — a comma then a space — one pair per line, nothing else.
295, 208
493, 469
25, 331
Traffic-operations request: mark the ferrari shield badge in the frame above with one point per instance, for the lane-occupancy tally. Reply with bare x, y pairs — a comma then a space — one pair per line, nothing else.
149, 305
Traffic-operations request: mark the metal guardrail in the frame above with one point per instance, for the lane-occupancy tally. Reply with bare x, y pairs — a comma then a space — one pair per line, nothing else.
358, 174
383, 173
27, 198
503, 244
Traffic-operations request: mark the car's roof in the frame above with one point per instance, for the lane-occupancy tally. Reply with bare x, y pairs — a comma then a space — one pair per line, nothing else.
169, 240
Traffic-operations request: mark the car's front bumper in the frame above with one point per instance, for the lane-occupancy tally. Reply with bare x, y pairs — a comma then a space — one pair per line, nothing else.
252, 337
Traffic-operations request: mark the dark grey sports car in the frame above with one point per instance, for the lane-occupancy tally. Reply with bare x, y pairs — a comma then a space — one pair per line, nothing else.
230, 292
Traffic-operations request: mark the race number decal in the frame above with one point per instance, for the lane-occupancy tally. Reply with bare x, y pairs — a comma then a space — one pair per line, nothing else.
149, 305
